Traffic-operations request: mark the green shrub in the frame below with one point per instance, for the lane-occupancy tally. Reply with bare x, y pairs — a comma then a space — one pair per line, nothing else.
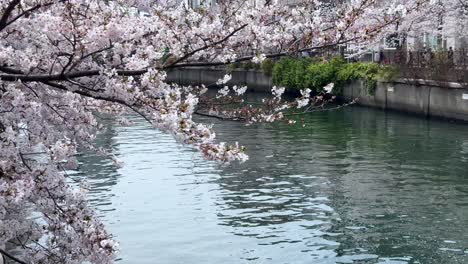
337, 62
358, 70
321, 74
267, 66
299, 73
368, 72
292, 73
389, 72
311, 73
277, 73
232, 67
282, 72
347, 73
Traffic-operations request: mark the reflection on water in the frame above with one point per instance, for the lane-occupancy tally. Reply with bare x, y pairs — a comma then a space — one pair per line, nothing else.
352, 186
99, 172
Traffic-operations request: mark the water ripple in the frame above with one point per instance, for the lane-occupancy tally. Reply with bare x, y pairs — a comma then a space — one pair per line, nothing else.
353, 186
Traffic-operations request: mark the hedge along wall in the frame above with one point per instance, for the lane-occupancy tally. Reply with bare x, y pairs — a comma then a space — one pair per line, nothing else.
313, 73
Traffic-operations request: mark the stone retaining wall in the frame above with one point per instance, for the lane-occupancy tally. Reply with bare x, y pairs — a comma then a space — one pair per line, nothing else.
446, 100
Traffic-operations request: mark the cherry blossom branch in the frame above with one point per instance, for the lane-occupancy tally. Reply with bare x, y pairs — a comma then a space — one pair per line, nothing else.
16, 75
6, 14
65, 76
176, 64
322, 109
89, 55
190, 54
199, 113
8, 255
28, 11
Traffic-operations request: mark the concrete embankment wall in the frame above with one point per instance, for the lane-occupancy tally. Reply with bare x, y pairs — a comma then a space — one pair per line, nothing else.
427, 98
256, 80
446, 100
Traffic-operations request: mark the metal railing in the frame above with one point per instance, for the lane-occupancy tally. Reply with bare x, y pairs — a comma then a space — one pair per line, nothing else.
444, 65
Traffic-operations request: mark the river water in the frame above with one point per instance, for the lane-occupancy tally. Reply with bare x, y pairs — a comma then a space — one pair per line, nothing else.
354, 185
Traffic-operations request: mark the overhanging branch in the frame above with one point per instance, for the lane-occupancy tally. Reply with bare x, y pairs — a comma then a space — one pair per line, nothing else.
6, 14
62, 77
8, 255
16, 75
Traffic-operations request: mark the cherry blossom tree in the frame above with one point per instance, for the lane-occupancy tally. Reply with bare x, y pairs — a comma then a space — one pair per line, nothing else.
64, 63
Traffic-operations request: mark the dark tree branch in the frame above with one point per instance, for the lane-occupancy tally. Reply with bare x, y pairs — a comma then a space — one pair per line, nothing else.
8, 255
62, 77
15, 75
32, 9
6, 14
219, 117
188, 55
91, 54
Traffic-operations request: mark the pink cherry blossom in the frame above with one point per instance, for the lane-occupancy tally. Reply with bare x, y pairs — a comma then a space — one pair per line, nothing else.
66, 64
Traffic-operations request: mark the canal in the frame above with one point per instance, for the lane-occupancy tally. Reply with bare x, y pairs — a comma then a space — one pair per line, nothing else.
354, 185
